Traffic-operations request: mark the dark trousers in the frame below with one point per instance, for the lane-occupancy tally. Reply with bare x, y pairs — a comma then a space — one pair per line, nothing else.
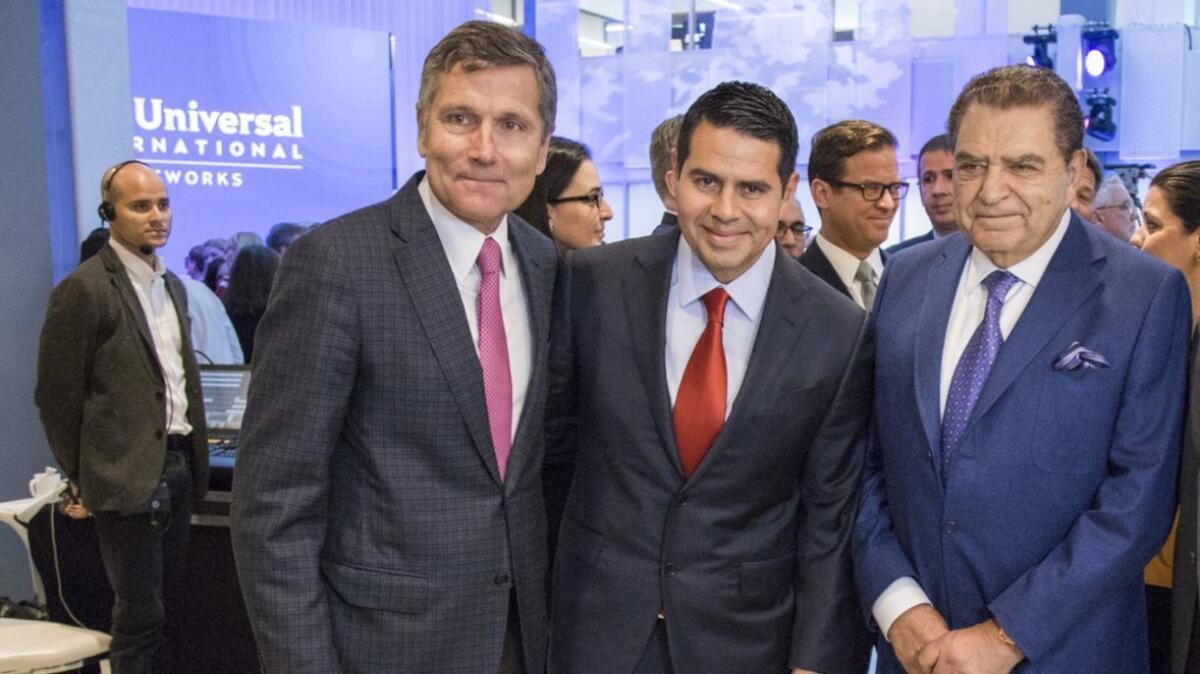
656, 658
144, 555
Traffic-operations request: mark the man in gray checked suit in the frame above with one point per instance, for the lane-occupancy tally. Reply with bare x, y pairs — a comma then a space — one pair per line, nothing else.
387, 508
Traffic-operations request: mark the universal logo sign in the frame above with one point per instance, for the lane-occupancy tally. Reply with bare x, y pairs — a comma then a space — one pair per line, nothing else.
215, 148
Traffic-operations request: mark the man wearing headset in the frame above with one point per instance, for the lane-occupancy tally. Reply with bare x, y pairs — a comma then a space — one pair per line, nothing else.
119, 395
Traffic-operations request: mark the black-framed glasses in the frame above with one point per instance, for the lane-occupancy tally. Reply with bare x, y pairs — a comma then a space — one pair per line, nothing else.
592, 198
874, 191
798, 228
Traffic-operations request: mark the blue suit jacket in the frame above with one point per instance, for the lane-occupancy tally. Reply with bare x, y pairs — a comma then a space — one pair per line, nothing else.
1064, 486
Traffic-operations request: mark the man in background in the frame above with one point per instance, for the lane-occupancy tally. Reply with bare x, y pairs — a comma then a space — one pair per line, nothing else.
1086, 186
1114, 210
792, 234
855, 182
935, 170
662, 146
118, 390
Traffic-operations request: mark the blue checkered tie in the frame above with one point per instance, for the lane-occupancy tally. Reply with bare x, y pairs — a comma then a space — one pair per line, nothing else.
973, 367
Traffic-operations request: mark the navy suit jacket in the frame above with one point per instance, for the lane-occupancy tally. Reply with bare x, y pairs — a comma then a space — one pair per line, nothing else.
748, 558
909, 243
371, 529
1064, 486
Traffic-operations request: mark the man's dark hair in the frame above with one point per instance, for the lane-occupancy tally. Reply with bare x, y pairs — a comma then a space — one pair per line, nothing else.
283, 234
1029, 87
250, 279
939, 143
836, 143
751, 110
196, 256
562, 162
92, 244
1180, 184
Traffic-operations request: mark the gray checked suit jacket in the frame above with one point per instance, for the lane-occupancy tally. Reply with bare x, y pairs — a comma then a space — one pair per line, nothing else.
371, 529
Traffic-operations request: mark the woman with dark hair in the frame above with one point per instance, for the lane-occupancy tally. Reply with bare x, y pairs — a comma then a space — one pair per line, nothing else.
1170, 231
567, 203
249, 288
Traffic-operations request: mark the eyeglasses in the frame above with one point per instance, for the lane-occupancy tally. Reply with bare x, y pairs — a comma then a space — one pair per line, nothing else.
1128, 207
798, 228
592, 198
874, 191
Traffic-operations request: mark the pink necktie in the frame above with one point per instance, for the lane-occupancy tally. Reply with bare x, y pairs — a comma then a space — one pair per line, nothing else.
493, 353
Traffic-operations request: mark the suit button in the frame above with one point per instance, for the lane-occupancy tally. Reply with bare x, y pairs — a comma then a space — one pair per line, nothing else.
158, 395
683, 499
671, 569
951, 526
158, 434
501, 580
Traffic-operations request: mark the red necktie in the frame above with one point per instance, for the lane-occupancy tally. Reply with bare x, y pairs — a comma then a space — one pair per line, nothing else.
700, 403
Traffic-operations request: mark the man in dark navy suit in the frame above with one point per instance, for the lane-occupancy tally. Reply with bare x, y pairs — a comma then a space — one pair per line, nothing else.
708, 525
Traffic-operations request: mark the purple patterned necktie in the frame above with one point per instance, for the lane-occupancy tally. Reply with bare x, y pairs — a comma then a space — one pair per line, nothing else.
493, 353
973, 367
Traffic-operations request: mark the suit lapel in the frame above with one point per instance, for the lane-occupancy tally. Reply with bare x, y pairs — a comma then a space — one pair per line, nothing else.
646, 289
1069, 280
435, 299
780, 332
536, 285
820, 265
120, 278
940, 289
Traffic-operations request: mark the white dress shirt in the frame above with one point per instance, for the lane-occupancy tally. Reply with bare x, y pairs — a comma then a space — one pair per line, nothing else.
846, 266
150, 286
687, 317
970, 301
462, 244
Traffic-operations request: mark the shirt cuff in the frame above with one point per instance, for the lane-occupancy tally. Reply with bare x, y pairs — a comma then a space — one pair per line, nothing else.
903, 594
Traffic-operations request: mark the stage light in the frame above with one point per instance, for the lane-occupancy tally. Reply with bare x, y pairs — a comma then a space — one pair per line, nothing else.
1100, 122
1099, 49
1041, 39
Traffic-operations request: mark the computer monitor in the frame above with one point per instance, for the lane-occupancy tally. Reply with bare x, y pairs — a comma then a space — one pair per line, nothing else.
224, 389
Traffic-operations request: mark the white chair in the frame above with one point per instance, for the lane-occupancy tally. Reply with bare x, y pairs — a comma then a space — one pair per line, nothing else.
36, 646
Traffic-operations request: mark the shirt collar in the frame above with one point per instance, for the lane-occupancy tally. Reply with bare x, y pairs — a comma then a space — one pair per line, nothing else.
461, 241
846, 264
1030, 270
748, 291
137, 268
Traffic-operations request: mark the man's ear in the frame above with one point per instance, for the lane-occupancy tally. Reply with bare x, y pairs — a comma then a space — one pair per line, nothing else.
821, 192
420, 133
789, 188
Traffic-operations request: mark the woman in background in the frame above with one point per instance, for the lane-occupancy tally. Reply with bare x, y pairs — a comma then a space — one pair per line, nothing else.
250, 280
1170, 231
567, 203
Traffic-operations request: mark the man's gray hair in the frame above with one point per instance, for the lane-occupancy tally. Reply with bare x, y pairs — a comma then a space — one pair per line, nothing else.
478, 45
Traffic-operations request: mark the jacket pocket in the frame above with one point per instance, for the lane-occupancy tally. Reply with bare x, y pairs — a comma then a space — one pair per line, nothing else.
766, 579
378, 589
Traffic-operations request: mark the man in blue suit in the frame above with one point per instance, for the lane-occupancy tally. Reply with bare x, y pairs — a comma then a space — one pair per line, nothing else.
1027, 424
